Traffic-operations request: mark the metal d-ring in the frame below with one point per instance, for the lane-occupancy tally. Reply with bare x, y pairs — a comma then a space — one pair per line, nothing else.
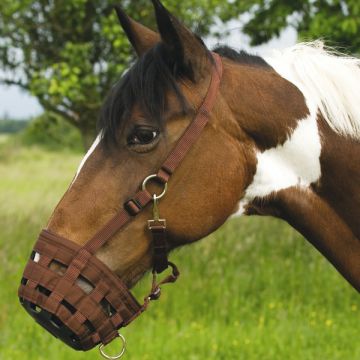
155, 196
115, 357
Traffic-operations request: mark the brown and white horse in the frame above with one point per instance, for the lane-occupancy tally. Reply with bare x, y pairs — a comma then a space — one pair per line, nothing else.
283, 140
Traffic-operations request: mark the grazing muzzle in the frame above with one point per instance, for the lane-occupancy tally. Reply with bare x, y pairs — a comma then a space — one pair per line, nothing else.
82, 318
74, 295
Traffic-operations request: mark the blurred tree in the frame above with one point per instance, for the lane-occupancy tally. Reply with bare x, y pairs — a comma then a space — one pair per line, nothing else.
50, 131
68, 53
335, 21
9, 126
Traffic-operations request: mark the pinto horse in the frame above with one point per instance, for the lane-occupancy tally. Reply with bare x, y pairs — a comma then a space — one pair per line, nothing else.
282, 139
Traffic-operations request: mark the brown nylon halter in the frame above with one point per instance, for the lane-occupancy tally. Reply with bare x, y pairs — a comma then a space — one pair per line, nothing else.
59, 304
142, 198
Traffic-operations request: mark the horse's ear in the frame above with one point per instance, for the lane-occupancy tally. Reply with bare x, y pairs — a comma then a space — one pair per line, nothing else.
188, 51
141, 38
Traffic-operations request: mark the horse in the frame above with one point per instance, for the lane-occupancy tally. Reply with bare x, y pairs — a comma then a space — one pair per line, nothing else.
282, 140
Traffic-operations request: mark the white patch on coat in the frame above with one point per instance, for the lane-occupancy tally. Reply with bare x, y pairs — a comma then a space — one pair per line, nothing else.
295, 163
328, 79
37, 257
88, 154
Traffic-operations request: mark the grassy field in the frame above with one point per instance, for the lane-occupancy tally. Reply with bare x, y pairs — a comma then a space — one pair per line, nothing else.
254, 290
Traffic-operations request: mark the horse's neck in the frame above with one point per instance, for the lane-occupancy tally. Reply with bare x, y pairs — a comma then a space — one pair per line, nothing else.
340, 176
315, 219
327, 212
305, 173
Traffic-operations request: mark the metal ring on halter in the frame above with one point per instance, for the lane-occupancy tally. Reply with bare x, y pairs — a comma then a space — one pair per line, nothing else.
115, 357
154, 176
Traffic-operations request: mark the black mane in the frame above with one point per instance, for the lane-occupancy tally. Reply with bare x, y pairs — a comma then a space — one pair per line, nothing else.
241, 57
146, 84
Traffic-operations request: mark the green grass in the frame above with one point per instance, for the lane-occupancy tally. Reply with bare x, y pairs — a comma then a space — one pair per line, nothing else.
3, 138
253, 290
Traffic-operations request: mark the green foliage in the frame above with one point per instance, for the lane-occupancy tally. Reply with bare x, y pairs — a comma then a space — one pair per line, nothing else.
50, 131
8, 126
254, 290
69, 53
336, 21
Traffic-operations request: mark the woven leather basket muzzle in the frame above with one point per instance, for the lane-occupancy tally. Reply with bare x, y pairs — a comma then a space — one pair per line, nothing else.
82, 319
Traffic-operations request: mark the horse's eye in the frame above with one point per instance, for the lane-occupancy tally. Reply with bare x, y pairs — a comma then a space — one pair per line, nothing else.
142, 136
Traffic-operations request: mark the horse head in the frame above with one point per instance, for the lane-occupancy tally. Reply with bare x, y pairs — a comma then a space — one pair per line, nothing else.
143, 118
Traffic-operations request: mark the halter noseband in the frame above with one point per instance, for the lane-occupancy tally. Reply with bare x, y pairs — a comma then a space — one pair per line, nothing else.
83, 319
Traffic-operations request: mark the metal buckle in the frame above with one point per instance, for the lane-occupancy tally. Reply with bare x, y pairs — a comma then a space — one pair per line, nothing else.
115, 357
155, 196
155, 295
156, 223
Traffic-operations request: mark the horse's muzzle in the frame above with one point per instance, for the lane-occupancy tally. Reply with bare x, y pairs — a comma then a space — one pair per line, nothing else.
81, 318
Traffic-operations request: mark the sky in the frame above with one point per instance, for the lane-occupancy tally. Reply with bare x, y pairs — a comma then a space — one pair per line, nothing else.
17, 104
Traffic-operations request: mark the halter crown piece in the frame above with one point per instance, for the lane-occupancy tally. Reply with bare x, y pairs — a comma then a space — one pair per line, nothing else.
83, 319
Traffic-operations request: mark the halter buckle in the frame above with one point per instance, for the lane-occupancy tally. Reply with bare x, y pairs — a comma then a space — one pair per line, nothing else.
155, 295
157, 224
